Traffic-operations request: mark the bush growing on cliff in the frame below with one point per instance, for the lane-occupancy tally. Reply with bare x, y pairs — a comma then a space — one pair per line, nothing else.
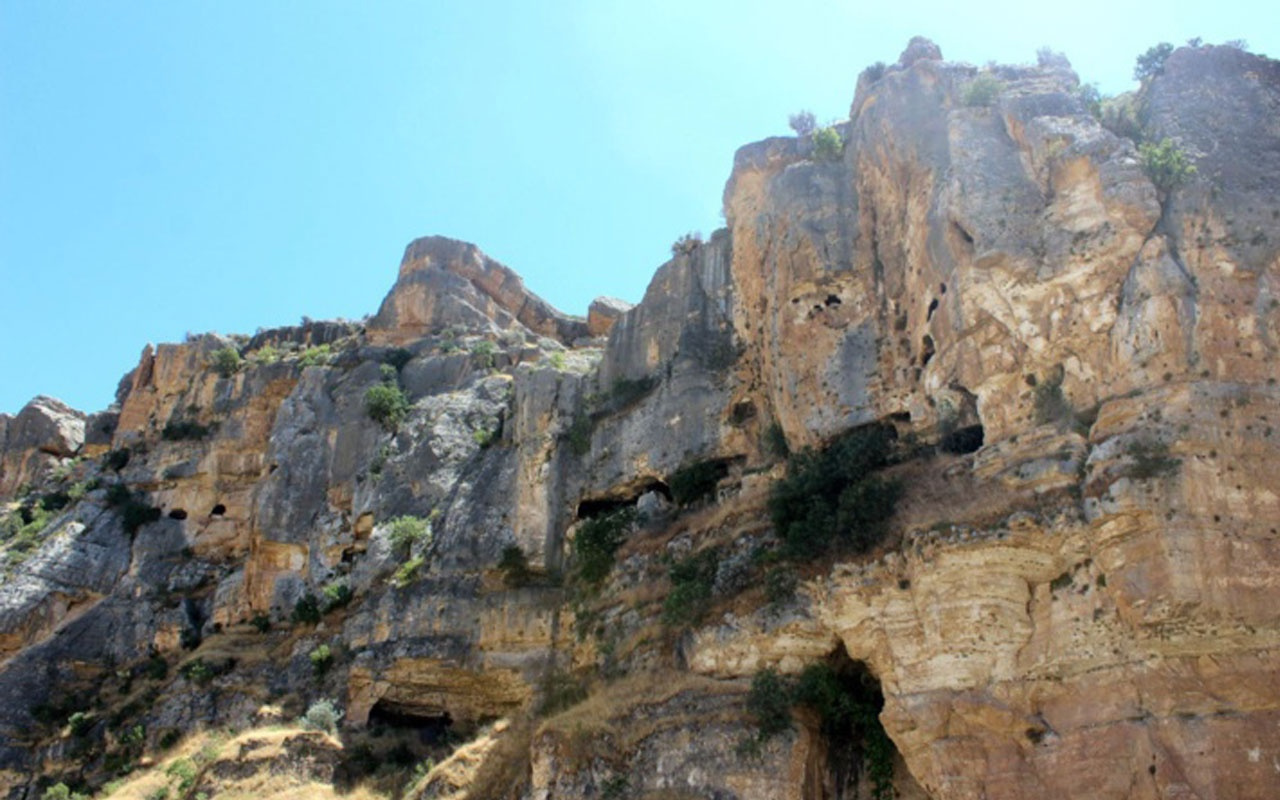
830, 496
596, 542
306, 611
1151, 63
406, 531
803, 123
323, 716
336, 595
316, 356
827, 144
1166, 164
225, 361
514, 566
407, 572
982, 91
386, 404
692, 580
321, 660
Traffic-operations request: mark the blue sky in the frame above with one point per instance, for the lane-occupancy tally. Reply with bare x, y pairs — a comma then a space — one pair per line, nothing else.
170, 167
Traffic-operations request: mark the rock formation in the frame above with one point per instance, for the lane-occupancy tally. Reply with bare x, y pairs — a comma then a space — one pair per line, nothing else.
1075, 596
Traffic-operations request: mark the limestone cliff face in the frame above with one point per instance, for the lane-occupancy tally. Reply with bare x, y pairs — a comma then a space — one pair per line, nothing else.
1076, 596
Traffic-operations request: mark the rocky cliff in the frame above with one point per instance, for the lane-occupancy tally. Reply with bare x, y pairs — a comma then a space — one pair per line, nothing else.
566, 541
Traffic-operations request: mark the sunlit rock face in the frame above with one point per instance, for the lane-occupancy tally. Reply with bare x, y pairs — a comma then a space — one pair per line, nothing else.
1077, 595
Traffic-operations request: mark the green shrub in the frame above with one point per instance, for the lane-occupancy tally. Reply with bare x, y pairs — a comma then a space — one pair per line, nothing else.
133, 507
830, 496
197, 671
1151, 63
827, 144
336, 595
580, 435
692, 580
406, 531
407, 572
514, 566
596, 541
317, 356
60, 791
485, 437
261, 622
225, 361
184, 771
186, 430
695, 481
80, 723
322, 715
769, 703
321, 659
556, 359
1166, 165
484, 353
1051, 404
387, 405
267, 354
306, 611
982, 91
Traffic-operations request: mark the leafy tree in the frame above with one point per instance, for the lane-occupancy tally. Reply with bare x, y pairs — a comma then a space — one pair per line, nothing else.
803, 123
386, 404
1151, 63
225, 361
827, 144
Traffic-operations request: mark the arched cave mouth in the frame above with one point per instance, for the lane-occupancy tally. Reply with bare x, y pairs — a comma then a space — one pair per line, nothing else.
431, 726
841, 699
963, 440
595, 507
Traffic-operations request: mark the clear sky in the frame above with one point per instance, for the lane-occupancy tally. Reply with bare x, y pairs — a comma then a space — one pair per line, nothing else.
188, 166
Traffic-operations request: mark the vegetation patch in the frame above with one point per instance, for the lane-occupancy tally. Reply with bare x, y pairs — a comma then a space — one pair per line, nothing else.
1151, 459
1166, 164
225, 361
386, 404
695, 481
692, 581
831, 496
306, 611
828, 145
514, 566
982, 91
186, 430
595, 543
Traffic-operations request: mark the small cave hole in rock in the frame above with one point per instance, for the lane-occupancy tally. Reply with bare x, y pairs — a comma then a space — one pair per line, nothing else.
927, 349
942, 288
218, 510
178, 513
607, 505
963, 233
832, 300
963, 440
933, 306
431, 727
840, 701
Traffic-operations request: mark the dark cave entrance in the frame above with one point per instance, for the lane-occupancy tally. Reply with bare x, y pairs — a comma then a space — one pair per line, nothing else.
853, 758
430, 727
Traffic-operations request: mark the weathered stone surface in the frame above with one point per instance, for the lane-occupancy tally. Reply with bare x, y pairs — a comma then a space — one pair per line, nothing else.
603, 313
446, 282
45, 430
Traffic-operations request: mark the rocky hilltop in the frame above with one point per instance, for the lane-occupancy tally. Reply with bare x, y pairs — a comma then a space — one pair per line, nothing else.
941, 471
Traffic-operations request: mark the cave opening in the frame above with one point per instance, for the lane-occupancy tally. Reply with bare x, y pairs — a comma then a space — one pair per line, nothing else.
963, 440
841, 700
218, 510
178, 513
430, 727
595, 507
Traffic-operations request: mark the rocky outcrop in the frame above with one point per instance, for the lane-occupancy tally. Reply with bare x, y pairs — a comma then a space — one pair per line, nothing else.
44, 431
446, 282
1074, 598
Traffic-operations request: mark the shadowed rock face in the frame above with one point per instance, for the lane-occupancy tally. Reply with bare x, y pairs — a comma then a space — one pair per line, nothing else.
1085, 606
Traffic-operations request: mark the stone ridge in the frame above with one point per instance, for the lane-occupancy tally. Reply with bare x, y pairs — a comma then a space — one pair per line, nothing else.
445, 282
